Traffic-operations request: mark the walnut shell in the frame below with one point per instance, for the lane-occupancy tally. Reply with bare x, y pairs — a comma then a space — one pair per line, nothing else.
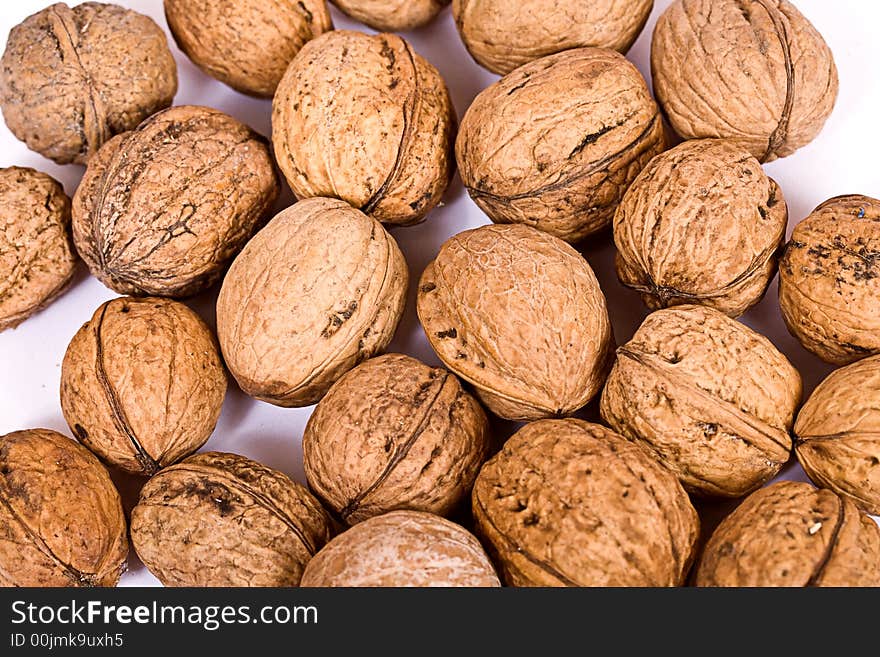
61, 520
37, 260
556, 143
317, 291
162, 210
142, 383
71, 78
219, 519
701, 224
392, 15
706, 396
791, 534
753, 71
519, 314
365, 119
402, 549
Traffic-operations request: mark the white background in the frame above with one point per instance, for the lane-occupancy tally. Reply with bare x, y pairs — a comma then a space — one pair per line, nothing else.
842, 160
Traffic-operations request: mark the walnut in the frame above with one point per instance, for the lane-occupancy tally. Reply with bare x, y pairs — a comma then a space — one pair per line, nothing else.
61, 519
519, 314
556, 143
142, 383
402, 549
706, 396
753, 71
219, 519
71, 78
791, 534
162, 209
392, 15
317, 291
367, 120
701, 224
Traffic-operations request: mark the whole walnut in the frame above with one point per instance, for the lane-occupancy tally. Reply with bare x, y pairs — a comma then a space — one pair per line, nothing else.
162, 210
503, 35
791, 534
37, 260
829, 280
706, 396
569, 503
701, 224
72, 78
365, 119
61, 519
392, 15
391, 434
402, 549
556, 143
142, 383
246, 44
753, 71
518, 314
219, 519
320, 289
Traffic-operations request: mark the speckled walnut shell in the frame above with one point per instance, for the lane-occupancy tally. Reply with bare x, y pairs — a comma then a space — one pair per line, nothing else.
71, 78
162, 210
753, 71
61, 520
37, 260
402, 549
829, 280
142, 383
503, 35
556, 143
392, 15
791, 534
569, 503
391, 434
246, 44
220, 519
365, 119
519, 314
706, 396
317, 291
701, 224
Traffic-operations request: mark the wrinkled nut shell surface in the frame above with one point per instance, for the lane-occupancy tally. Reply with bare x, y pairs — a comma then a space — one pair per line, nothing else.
142, 383
519, 314
365, 119
71, 78
394, 434
706, 396
556, 143
402, 549
701, 224
568, 503
61, 519
764, 77
791, 534
220, 519
320, 289
392, 15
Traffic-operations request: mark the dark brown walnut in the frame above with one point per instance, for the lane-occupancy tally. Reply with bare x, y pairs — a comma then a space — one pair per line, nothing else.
367, 120
61, 520
519, 314
163, 209
71, 78
219, 519
791, 534
569, 503
392, 434
753, 71
706, 396
392, 15
556, 143
701, 224
142, 383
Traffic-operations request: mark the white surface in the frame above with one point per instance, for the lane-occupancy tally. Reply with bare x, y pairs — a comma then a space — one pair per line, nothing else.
842, 160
